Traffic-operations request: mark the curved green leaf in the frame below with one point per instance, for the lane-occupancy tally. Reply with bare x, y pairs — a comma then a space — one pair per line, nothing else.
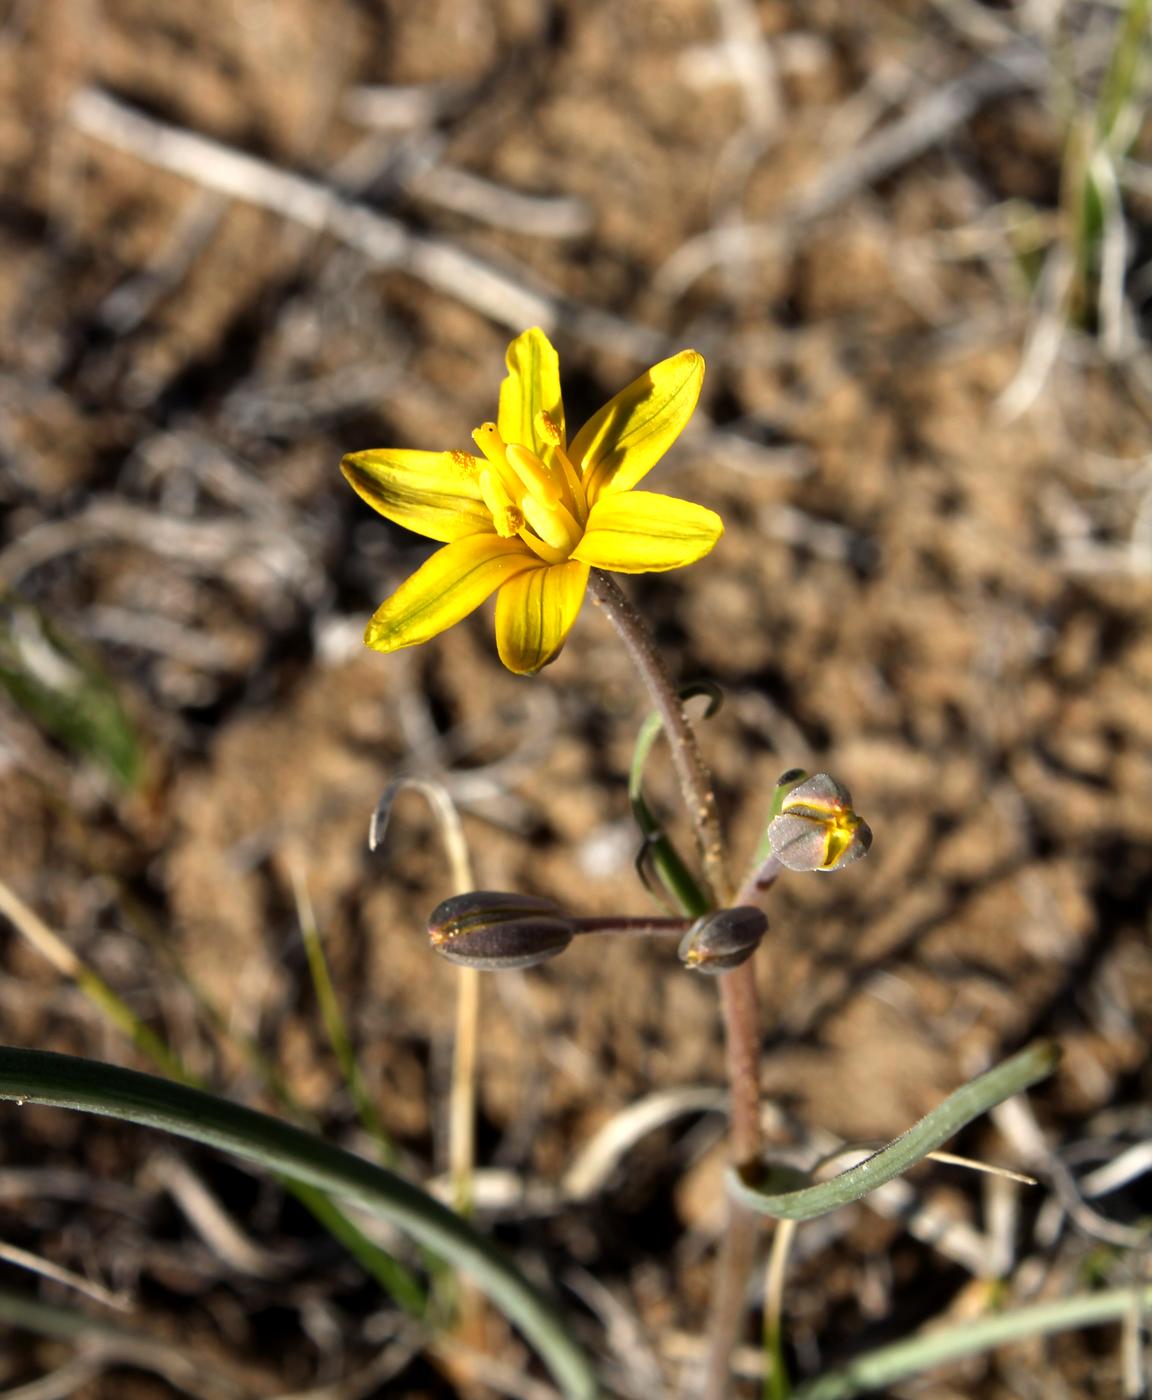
63, 1081
969, 1101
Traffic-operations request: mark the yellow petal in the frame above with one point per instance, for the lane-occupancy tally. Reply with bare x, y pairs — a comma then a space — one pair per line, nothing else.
449, 586
532, 387
433, 493
639, 532
617, 447
535, 613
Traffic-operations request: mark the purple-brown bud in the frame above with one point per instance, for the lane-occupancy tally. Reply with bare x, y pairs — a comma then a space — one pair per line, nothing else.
817, 828
723, 939
494, 931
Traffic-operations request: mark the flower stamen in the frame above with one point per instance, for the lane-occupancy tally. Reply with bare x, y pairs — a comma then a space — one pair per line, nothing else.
541, 550
537, 479
554, 524
506, 514
487, 438
548, 429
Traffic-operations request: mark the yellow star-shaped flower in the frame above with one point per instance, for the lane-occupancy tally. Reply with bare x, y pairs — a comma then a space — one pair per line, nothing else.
532, 514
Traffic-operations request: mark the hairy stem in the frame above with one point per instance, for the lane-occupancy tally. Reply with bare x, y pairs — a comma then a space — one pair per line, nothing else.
692, 775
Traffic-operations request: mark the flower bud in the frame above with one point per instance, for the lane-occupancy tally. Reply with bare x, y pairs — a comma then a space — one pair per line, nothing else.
817, 828
494, 931
723, 939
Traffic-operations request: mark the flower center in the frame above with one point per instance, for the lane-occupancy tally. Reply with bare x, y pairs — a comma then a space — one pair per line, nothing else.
540, 500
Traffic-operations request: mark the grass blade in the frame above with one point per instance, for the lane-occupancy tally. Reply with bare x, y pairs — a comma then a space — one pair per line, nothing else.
399, 1282
64, 1081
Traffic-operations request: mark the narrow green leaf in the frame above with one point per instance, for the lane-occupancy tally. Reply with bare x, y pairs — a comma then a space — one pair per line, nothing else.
63, 1081
392, 1276
335, 1025
806, 1202
66, 692
202, 1375
876, 1371
1122, 87
400, 1283
658, 847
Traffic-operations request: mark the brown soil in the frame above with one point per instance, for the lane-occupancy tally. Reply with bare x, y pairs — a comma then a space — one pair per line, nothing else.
942, 602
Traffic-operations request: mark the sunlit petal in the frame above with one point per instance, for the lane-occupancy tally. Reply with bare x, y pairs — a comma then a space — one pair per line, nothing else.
639, 532
454, 582
436, 494
531, 387
618, 446
535, 612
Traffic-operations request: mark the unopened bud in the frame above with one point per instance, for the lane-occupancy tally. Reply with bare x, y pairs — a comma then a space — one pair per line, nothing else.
495, 931
723, 939
817, 828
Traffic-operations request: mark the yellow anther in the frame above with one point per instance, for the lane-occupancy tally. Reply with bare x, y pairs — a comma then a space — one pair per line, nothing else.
572, 493
537, 479
462, 462
548, 429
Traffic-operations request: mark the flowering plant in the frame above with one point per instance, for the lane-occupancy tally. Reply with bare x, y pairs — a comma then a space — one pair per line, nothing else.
540, 520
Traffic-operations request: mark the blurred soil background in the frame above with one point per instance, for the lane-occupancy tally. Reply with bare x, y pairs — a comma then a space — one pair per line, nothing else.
242, 237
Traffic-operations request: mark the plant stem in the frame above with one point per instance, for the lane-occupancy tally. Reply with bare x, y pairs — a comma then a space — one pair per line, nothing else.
693, 776
737, 988
618, 925
743, 1227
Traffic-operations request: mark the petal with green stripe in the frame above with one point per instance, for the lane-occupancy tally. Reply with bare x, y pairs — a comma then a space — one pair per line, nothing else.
532, 387
640, 532
618, 446
535, 613
436, 494
450, 585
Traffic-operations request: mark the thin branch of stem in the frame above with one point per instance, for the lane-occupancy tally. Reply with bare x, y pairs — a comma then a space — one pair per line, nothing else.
633, 928
758, 882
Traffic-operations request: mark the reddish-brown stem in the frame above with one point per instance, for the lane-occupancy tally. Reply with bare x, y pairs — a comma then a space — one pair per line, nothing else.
635, 928
741, 1238
737, 988
692, 775
735, 1260
739, 1004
